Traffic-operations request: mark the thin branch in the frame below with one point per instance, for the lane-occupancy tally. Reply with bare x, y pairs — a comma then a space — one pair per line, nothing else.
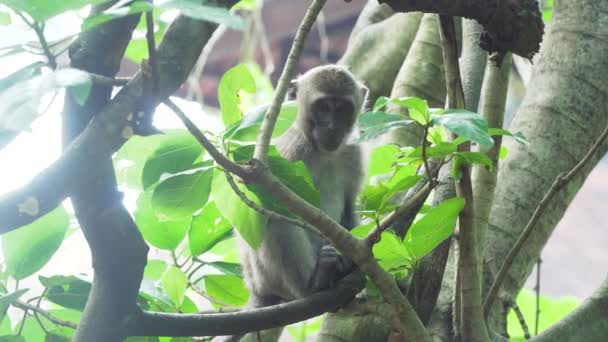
427, 169
404, 209
537, 299
358, 250
113, 81
266, 212
152, 52
47, 315
473, 328
265, 134
218, 156
39, 30
217, 324
560, 181
520, 318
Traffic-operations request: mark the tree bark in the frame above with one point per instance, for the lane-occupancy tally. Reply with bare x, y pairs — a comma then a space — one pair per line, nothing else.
561, 116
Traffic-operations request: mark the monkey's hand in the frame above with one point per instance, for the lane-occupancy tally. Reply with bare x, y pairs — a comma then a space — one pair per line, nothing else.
331, 267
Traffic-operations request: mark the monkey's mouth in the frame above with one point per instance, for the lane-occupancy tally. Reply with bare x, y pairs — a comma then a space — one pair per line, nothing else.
331, 144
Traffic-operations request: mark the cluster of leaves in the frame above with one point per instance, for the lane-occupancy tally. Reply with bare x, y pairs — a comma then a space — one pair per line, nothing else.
168, 170
23, 91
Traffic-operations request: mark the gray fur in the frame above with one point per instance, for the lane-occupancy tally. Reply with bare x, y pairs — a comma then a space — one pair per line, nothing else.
289, 258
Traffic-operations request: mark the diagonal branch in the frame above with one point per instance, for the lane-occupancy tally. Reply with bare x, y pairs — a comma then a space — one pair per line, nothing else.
265, 134
469, 276
110, 129
356, 249
560, 182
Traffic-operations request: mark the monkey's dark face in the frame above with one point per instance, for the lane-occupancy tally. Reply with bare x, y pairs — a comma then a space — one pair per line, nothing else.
332, 120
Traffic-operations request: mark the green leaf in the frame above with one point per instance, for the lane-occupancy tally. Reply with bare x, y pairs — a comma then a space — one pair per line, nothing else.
247, 128
7, 300
434, 227
294, 175
68, 291
468, 125
42, 10
396, 185
363, 231
5, 18
176, 152
232, 82
175, 283
226, 289
155, 269
374, 124
552, 310
503, 152
27, 249
180, 196
163, 232
208, 228
474, 158
249, 223
188, 306
391, 252
382, 159
227, 268
418, 108
380, 103
5, 327
201, 11
518, 136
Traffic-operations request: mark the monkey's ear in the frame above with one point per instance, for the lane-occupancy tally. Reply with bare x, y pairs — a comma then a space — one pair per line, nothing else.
292, 90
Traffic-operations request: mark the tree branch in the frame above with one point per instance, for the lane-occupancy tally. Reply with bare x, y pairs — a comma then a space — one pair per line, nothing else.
561, 181
108, 130
216, 324
510, 25
46, 314
357, 250
472, 324
586, 323
265, 134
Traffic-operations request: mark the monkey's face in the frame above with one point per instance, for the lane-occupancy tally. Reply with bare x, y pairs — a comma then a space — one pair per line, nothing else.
332, 120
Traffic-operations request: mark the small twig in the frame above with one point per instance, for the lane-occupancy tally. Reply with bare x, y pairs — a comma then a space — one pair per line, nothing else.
218, 156
521, 319
104, 80
421, 195
39, 30
266, 212
560, 181
198, 267
194, 89
27, 307
152, 52
36, 313
265, 134
537, 289
203, 294
425, 159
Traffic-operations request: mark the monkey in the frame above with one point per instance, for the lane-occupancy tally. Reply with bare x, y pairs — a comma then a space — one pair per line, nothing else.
292, 262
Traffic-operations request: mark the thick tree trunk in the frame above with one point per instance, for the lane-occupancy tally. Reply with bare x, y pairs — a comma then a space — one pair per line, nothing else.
562, 114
